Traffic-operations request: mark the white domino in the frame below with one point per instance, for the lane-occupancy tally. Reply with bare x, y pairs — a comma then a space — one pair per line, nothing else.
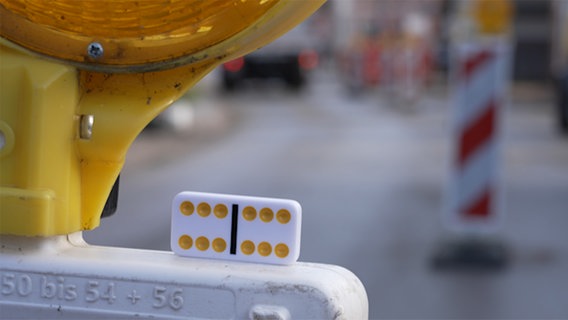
230, 227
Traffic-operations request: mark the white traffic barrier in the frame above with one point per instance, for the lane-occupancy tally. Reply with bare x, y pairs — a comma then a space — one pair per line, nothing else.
64, 278
480, 79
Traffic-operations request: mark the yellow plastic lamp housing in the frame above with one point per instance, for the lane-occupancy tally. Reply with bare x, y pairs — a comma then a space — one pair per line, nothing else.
112, 64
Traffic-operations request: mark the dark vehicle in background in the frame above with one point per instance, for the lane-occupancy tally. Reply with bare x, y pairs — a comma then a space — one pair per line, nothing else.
560, 61
561, 88
289, 58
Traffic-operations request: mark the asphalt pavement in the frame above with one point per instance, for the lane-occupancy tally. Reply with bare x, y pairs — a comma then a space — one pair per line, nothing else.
370, 172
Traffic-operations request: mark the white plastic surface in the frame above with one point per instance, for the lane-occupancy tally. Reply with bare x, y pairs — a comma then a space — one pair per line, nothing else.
231, 227
64, 278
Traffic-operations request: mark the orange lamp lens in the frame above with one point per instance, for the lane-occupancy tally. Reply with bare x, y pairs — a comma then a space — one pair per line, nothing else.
125, 32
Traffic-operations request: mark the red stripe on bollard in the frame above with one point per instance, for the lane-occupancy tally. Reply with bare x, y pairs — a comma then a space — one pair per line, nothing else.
481, 207
477, 133
474, 62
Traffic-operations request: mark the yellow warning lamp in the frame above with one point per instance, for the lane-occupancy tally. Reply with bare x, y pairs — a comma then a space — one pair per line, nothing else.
493, 16
80, 79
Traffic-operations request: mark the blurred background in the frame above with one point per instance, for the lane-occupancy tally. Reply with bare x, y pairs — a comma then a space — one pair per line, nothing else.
351, 115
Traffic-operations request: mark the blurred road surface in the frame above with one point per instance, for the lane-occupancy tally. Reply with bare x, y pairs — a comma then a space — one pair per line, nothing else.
370, 175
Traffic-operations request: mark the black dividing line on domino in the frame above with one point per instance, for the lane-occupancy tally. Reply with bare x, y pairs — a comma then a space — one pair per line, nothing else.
234, 223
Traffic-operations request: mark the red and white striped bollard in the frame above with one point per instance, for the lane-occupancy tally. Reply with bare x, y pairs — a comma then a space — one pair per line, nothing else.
480, 78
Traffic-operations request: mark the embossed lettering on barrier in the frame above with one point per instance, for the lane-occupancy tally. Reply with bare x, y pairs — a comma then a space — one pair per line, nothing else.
111, 294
